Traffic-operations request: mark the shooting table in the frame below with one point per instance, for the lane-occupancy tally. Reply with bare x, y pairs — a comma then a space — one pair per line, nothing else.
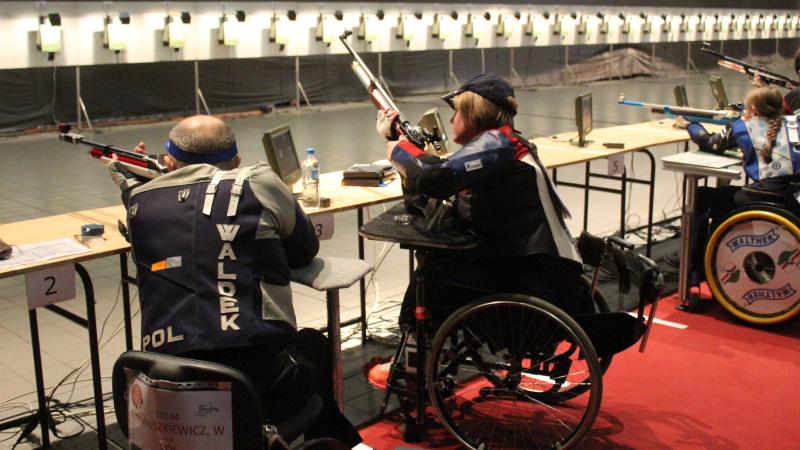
56, 227
557, 151
69, 225
711, 165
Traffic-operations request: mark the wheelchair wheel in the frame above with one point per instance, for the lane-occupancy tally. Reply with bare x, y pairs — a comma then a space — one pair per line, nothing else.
752, 265
502, 372
576, 389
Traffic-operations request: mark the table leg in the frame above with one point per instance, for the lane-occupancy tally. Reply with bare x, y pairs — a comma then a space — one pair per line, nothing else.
95, 355
335, 337
37, 369
690, 182
651, 204
586, 198
126, 300
622, 197
362, 284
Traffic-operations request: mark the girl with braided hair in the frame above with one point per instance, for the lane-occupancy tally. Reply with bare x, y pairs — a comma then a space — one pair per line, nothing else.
771, 160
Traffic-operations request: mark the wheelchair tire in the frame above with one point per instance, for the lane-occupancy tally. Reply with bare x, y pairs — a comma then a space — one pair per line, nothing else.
752, 265
493, 360
601, 305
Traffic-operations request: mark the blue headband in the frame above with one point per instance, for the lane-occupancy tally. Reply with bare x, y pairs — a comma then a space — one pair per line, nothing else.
210, 158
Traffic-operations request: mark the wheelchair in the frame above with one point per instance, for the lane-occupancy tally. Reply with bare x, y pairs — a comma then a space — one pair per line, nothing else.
752, 261
511, 370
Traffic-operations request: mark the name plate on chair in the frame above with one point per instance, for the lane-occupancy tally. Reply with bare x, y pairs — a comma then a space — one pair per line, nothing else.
186, 416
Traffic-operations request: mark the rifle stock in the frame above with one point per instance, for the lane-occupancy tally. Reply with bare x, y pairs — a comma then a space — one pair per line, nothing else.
421, 137
715, 116
749, 69
143, 166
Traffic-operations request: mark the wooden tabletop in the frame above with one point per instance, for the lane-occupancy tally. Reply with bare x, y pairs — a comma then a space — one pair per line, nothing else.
557, 151
345, 198
65, 226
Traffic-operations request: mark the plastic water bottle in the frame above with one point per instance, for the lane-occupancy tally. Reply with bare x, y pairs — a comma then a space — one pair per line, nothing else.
310, 180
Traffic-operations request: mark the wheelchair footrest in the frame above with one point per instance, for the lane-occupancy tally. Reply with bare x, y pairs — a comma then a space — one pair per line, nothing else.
611, 333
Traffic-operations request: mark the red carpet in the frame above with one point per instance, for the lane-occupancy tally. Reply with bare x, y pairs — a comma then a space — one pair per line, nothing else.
718, 384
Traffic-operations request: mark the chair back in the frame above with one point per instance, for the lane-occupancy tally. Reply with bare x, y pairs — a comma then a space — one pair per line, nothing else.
245, 407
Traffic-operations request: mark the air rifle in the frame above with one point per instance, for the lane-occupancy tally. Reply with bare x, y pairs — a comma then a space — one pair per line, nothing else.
750, 70
142, 166
430, 140
715, 116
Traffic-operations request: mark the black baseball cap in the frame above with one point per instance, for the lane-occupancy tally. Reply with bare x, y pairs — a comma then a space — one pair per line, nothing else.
489, 86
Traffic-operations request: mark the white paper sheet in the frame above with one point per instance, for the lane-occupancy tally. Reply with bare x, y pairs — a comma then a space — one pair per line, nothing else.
41, 251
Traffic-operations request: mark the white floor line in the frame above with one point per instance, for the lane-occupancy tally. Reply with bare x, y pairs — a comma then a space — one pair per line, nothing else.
667, 323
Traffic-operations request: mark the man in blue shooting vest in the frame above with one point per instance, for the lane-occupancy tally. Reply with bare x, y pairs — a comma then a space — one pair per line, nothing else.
213, 244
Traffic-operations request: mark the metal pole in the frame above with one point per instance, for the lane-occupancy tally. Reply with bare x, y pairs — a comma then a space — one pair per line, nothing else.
483, 60
297, 81
196, 87
688, 55
335, 337
39, 377
511, 66
380, 76
452, 76
78, 94
690, 184
94, 353
653, 52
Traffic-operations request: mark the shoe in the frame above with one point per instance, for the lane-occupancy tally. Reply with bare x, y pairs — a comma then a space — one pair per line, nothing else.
377, 371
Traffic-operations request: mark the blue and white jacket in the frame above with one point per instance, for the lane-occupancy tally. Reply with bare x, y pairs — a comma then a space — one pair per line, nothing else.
751, 135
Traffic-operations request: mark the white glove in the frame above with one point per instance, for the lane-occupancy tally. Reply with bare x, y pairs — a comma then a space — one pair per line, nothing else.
385, 125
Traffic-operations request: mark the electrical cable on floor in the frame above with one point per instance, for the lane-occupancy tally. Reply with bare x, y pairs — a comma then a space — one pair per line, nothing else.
64, 407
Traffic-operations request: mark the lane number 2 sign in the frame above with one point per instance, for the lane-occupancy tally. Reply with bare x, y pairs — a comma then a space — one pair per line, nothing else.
48, 286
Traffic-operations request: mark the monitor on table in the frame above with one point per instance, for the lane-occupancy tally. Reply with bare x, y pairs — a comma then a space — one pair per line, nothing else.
681, 99
281, 154
718, 89
583, 117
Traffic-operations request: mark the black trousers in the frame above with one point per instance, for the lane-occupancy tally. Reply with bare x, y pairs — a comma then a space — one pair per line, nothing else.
286, 377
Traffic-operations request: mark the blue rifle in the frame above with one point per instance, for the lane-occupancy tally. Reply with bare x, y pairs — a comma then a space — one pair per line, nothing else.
715, 116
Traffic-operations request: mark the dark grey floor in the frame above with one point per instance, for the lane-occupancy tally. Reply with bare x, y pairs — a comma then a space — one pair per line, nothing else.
40, 176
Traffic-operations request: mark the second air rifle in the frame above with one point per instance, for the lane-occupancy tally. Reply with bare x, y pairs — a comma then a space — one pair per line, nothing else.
143, 166
750, 70
421, 137
715, 116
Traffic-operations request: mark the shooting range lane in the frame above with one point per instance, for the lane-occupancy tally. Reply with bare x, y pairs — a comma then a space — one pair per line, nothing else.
40, 177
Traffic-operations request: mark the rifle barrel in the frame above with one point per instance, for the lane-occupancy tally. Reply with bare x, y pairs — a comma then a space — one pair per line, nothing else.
371, 80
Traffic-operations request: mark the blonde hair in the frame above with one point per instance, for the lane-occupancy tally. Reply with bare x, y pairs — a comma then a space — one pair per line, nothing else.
768, 103
482, 114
